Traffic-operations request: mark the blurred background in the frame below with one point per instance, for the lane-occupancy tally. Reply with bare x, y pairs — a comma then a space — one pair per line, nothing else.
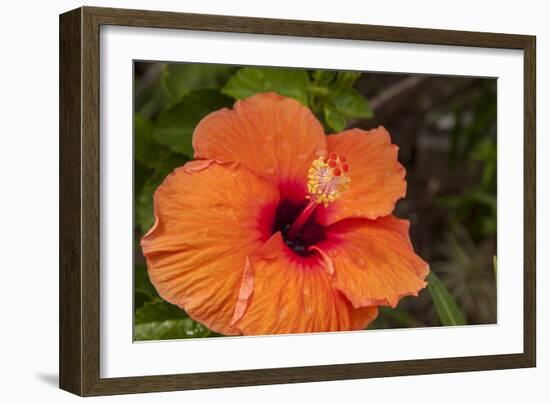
446, 129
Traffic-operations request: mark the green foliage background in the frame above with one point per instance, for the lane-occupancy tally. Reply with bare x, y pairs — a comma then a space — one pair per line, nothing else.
170, 99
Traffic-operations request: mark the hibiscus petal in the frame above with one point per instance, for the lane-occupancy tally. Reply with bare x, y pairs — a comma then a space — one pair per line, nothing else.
273, 135
293, 294
377, 177
209, 217
373, 261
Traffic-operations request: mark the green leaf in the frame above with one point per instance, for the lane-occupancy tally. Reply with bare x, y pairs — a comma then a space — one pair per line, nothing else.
334, 119
140, 298
159, 320
151, 99
248, 81
350, 103
175, 126
141, 173
331, 95
145, 217
181, 79
448, 311
400, 316
165, 84
393, 318
323, 77
158, 311
347, 78
141, 280
146, 149
144, 291
170, 330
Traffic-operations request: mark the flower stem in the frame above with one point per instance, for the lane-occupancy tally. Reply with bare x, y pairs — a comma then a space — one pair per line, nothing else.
301, 220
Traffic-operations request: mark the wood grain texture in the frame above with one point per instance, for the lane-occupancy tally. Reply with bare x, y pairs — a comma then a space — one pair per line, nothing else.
90, 201
70, 271
530, 204
315, 29
80, 196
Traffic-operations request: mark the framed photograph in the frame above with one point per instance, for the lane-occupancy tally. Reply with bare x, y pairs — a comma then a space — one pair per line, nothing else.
250, 201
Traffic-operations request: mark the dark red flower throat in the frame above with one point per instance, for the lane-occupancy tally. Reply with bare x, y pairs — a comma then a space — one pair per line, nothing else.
310, 232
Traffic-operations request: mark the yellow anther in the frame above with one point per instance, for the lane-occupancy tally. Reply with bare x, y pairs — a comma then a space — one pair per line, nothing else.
327, 179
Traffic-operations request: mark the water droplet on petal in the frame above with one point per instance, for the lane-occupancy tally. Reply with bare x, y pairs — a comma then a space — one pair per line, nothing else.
270, 170
309, 311
360, 262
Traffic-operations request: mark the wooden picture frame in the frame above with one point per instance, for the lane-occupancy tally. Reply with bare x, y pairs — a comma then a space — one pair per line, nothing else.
80, 184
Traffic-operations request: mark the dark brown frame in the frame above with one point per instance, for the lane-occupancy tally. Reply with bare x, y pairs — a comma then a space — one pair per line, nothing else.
79, 201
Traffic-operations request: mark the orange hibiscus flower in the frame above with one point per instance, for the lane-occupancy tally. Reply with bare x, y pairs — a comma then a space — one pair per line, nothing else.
277, 228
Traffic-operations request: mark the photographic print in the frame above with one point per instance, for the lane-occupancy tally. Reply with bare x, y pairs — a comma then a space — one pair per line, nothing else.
272, 200
251, 201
